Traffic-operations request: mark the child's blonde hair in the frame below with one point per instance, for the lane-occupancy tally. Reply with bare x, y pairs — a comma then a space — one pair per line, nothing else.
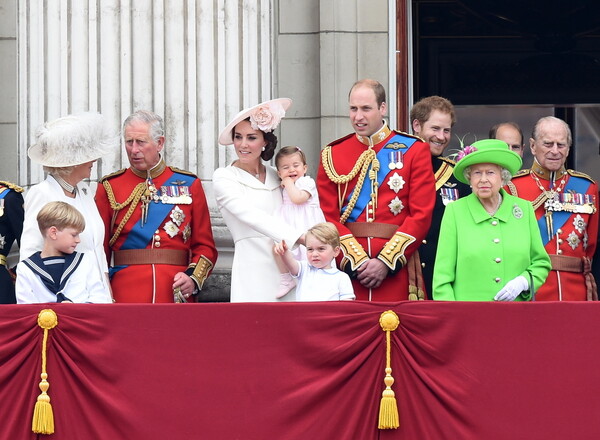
326, 233
288, 151
61, 215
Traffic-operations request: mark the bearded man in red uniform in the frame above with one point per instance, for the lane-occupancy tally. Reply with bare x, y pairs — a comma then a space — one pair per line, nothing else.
377, 186
158, 231
566, 206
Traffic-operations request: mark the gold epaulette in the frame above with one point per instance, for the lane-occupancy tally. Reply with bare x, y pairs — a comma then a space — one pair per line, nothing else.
111, 175
522, 173
342, 139
15, 188
353, 252
414, 136
447, 160
580, 174
201, 271
179, 170
394, 250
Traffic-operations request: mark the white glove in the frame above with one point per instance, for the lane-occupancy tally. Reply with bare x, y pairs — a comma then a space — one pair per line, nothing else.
512, 289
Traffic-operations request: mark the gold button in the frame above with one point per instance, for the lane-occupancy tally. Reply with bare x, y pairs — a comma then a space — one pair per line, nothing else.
494, 223
422, 264
559, 252
559, 231
560, 241
424, 241
497, 280
498, 260
157, 237
496, 240
157, 244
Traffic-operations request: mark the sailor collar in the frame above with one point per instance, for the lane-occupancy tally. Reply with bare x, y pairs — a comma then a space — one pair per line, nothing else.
153, 172
376, 137
545, 174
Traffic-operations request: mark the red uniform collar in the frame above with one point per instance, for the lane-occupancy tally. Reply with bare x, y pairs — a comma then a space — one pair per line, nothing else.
376, 137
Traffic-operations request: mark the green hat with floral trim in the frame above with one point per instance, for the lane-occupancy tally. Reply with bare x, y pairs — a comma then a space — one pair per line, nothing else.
486, 151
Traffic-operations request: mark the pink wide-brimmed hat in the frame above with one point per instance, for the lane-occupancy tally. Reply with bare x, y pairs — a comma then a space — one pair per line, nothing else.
264, 116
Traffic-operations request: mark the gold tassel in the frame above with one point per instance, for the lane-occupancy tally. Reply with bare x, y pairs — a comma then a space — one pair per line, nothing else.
388, 408
43, 417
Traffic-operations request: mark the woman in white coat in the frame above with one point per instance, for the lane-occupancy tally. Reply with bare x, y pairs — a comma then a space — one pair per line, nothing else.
248, 195
67, 148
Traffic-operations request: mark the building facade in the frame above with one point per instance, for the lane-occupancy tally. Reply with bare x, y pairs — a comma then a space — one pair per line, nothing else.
197, 63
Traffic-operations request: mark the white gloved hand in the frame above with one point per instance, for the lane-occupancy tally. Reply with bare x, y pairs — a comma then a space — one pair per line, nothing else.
512, 289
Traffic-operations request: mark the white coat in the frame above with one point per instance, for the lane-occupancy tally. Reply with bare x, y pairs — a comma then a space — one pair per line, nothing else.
249, 208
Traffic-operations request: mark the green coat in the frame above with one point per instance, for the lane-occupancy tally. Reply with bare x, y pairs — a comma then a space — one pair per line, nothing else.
478, 254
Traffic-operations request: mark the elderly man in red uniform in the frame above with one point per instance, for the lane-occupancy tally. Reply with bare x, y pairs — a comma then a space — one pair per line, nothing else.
377, 186
158, 229
566, 206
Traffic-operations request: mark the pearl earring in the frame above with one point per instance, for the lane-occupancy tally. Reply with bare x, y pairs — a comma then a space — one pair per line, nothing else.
263, 148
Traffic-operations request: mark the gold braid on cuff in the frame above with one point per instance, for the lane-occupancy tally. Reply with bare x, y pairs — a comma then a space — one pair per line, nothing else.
353, 252
201, 271
394, 250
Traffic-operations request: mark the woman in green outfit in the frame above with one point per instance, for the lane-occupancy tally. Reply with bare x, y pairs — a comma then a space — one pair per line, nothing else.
490, 246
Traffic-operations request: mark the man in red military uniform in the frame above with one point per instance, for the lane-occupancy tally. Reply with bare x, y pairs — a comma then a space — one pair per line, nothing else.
566, 206
377, 186
158, 229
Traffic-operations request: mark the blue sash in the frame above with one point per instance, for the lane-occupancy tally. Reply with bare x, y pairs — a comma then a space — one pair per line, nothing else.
559, 218
140, 235
400, 143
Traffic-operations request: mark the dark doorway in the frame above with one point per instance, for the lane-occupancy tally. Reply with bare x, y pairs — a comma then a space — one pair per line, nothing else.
505, 57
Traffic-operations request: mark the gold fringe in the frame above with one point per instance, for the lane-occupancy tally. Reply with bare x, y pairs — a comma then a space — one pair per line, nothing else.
43, 416
388, 408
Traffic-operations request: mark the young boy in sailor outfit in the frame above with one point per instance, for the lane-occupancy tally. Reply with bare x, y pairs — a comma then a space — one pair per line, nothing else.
57, 273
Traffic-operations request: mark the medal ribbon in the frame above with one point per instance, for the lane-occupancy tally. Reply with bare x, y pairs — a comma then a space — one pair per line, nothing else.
385, 159
559, 218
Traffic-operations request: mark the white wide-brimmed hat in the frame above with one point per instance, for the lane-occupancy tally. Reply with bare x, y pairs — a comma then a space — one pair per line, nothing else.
264, 116
72, 140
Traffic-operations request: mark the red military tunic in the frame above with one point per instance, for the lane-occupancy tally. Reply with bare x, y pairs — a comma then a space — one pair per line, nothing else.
568, 220
392, 214
184, 232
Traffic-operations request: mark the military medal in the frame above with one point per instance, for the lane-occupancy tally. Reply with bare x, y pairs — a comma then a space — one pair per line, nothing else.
395, 160
396, 182
396, 206
170, 194
448, 195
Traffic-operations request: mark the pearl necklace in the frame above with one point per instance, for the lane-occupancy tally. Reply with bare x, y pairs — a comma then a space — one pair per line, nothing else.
495, 210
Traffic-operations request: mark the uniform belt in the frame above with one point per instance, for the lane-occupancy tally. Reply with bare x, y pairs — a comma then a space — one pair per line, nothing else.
566, 263
372, 229
175, 257
3, 261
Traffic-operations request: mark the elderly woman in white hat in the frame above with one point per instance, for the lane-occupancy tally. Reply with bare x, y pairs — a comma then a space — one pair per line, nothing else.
67, 148
248, 195
490, 246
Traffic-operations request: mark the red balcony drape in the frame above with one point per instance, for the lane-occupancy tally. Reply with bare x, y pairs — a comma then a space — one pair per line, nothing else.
304, 371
